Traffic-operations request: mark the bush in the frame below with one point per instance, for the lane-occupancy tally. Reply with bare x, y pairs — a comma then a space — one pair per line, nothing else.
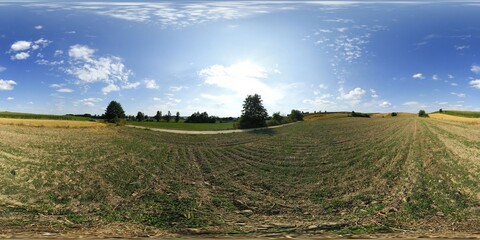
296, 115
355, 114
200, 118
422, 113
394, 114
277, 119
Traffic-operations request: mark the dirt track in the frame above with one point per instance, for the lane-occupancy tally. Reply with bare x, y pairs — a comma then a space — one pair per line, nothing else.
208, 132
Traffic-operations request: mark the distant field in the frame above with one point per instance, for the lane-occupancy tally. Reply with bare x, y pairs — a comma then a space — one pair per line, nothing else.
49, 123
41, 116
468, 114
343, 175
455, 118
324, 116
185, 126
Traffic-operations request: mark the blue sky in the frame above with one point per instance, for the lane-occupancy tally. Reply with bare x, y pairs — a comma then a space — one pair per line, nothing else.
75, 57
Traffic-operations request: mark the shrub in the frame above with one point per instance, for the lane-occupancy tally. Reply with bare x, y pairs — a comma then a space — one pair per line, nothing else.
422, 113
394, 114
200, 118
277, 119
355, 114
296, 115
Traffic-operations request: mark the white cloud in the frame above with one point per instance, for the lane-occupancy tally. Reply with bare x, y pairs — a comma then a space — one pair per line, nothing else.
20, 56
475, 69
90, 102
80, 52
411, 103
133, 85
10, 98
435, 77
373, 93
385, 104
475, 83
58, 53
110, 88
2, 69
322, 86
26, 47
450, 76
151, 84
65, 90
50, 63
454, 84
418, 76
38, 27
42, 42
458, 94
322, 102
7, 85
242, 79
176, 88
56, 85
20, 46
354, 95
88, 68
156, 99
461, 47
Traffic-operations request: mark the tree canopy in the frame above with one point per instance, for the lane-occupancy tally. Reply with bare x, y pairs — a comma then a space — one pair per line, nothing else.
198, 117
254, 113
114, 112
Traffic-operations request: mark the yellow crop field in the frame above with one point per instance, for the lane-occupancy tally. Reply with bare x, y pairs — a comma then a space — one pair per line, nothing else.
49, 123
446, 117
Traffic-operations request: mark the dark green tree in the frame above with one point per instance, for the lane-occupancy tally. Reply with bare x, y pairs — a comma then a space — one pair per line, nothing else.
140, 117
158, 116
296, 115
422, 113
177, 117
168, 117
253, 114
114, 113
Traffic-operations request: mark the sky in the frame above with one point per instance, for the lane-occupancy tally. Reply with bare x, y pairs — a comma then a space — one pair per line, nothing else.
189, 56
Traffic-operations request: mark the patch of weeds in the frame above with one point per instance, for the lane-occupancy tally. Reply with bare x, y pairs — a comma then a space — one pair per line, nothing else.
163, 210
224, 203
420, 204
320, 195
364, 229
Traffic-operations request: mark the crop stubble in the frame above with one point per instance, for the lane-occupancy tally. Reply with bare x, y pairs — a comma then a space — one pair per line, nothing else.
367, 175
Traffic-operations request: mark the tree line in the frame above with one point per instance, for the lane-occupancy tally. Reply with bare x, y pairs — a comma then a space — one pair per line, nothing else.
253, 115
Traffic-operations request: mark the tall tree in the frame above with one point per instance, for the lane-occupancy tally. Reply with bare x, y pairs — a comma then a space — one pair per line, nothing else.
140, 117
168, 117
158, 116
114, 112
177, 117
254, 113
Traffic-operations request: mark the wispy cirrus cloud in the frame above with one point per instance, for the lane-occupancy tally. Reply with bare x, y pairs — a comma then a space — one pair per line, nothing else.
179, 14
